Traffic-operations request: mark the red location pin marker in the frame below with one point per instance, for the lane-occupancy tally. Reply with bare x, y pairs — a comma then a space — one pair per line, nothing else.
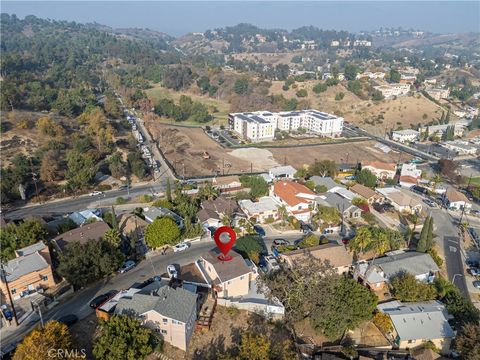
225, 238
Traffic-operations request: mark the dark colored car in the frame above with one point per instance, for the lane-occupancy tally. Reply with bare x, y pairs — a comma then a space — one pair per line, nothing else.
281, 242
473, 263
68, 320
259, 230
8, 314
419, 189
100, 299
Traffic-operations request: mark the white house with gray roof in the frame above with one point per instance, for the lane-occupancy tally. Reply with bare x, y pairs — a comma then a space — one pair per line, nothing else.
282, 172
326, 181
265, 208
416, 323
153, 212
170, 311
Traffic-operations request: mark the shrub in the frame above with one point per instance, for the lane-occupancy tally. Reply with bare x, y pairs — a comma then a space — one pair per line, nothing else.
318, 88
309, 241
438, 260
145, 198
339, 96
302, 93
383, 322
120, 200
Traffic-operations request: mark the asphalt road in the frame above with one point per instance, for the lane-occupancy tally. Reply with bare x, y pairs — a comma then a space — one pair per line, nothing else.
84, 201
449, 240
78, 304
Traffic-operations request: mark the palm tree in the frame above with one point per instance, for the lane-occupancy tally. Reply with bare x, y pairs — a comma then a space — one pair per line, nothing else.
226, 219
380, 244
282, 213
208, 192
362, 240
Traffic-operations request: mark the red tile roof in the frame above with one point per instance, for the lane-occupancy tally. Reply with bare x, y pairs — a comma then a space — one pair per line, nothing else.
408, 179
289, 192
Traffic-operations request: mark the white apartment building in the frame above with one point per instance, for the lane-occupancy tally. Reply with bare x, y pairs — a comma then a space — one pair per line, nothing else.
438, 94
261, 125
392, 90
405, 136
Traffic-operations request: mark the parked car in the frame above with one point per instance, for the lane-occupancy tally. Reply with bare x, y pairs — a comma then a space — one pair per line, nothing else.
180, 247
127, 266
259, 230
96, 193
98, 301
419, 190
172, 271
281, 242
476, 284
430, 202
272, 264
474, 271
8, 314
475, 212
68, 320
473, 263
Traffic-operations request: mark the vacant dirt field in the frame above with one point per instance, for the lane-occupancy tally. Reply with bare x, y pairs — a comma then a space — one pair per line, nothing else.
184, 148
358, 151
402, 111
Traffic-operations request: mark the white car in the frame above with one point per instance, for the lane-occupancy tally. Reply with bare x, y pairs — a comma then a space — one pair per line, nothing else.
180, 247
171, 271
96, 193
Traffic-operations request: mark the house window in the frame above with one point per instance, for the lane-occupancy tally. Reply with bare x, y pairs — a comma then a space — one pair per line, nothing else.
242, 277
14, 291
410, 341
163, 331
165, 321
44, 277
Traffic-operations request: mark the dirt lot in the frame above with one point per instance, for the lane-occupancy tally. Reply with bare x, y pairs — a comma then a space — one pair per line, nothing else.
225, 331
184, 147
402, 111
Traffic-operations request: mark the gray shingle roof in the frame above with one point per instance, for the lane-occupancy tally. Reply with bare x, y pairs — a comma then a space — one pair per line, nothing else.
23, 265
413, 262
325, 181
177, 304
28, 250
418, 320
336, 201
227, 270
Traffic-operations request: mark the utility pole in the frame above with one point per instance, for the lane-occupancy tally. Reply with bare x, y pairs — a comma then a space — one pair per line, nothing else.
4, 279
39, 312
34, 178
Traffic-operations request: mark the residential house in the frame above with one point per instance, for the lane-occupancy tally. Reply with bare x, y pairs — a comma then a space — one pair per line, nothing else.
233, 283
30, 271
460, 147
88, 215
343, 192
405, 136
392, 90
419, 264
93, 231
326, 181
228, 278
401, 200
416, 323
297, 198
265, 209
282, 172
151, 213
333, 254
131, 227
227, 184
438, 130
170, 311
409, 175
366, 193
455, 200
343, 205
381, 170
214, 211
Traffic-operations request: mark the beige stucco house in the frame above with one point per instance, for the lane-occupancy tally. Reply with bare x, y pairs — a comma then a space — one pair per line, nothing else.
30, 271
172, 312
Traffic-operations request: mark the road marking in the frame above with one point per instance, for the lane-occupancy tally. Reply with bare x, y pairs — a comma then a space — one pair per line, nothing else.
455, 242
453, 249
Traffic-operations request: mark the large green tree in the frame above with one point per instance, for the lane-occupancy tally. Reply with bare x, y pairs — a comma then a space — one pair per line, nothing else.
123, 338
162, 231
467, 342
81, 169
258, 186
82, 264
334, 317
249, 247
367, 178
13, 237
406, 288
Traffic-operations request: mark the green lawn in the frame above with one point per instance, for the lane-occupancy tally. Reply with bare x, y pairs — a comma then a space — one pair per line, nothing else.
475, 181
219, 118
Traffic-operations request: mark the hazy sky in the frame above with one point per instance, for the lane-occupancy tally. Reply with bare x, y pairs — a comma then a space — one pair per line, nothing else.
180, 17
